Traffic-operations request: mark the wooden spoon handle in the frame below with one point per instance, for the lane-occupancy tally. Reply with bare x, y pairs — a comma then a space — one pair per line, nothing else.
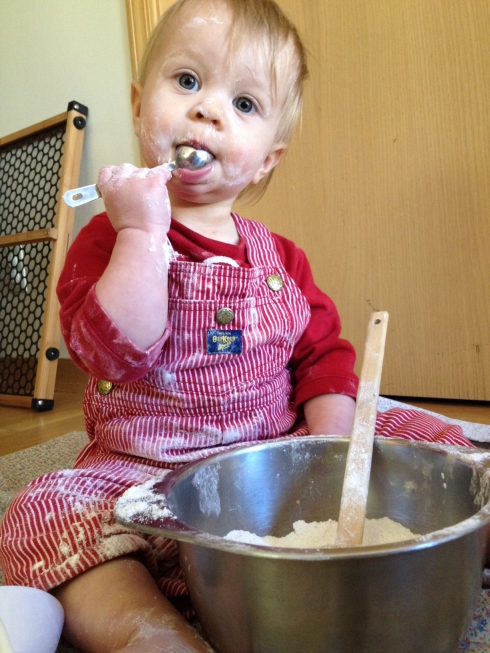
358, 467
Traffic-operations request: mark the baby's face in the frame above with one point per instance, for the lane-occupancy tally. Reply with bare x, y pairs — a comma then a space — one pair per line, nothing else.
200, 93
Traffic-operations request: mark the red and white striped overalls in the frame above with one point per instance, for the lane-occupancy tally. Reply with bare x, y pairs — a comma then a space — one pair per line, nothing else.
190, 404
193, 401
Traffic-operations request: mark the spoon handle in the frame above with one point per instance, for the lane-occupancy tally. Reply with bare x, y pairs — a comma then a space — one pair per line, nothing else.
358, 467
82, 195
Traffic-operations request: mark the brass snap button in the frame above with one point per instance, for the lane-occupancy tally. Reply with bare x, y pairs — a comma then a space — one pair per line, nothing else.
275, 282
225, 316
105, 387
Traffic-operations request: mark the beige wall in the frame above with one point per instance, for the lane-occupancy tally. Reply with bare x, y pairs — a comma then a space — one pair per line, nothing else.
387, 188
55, 51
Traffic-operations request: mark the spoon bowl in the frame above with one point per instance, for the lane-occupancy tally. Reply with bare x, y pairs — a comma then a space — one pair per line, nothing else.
191, 159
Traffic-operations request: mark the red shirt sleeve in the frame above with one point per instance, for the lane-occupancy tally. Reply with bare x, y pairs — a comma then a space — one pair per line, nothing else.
322, 362
93, 341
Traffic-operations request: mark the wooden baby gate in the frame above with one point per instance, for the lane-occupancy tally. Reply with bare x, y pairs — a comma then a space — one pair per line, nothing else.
37, 165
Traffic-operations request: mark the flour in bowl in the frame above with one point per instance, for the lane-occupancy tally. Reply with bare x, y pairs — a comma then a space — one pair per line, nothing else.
314, 535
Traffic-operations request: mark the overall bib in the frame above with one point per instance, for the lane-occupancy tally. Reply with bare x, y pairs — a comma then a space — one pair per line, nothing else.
222, 377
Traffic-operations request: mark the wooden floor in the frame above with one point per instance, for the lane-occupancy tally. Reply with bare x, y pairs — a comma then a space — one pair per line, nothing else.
21, 427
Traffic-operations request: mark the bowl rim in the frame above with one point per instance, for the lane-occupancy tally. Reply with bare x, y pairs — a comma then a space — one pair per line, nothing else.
168, 525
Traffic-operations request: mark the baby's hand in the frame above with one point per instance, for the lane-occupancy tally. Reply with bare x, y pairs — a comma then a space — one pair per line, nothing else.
136, 198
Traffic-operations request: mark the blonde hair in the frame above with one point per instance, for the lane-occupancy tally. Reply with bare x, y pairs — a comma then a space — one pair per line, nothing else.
260, 19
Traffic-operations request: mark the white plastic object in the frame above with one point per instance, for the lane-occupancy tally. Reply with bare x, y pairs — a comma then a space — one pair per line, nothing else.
5, 645
32, 620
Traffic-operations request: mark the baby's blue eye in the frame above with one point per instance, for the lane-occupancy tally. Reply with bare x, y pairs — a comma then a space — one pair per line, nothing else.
189, 82
244, 105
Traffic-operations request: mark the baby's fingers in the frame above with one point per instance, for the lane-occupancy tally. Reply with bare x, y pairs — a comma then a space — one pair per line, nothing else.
160, 171
115, 173
119, 174
135, 197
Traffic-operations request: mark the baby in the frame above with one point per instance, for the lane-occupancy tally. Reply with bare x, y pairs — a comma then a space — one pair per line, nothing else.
201, 330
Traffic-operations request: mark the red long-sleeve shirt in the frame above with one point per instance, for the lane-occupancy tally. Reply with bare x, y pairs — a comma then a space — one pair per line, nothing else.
322, 362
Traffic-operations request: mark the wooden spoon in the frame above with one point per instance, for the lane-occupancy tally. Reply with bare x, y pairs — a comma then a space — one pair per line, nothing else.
358, 468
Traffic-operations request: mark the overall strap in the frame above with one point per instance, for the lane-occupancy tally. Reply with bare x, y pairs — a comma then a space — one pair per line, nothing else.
261, 247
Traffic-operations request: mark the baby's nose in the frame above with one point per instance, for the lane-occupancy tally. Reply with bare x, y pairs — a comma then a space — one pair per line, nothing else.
209, 111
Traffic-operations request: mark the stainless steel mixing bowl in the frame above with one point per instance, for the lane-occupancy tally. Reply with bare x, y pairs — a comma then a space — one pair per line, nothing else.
408, 597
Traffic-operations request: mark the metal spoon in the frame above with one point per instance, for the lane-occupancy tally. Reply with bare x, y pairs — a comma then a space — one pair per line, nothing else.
186, 157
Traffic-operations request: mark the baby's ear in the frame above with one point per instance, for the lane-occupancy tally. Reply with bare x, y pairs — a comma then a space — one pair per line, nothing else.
270, 161
136, 91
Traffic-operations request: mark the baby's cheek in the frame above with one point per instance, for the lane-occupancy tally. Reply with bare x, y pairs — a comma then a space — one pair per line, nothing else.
155, 145
236, 171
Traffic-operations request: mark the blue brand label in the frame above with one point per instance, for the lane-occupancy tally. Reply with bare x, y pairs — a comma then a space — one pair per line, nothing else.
223, 342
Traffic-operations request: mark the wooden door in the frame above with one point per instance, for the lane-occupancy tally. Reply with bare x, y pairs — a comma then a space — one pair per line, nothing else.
387, 184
